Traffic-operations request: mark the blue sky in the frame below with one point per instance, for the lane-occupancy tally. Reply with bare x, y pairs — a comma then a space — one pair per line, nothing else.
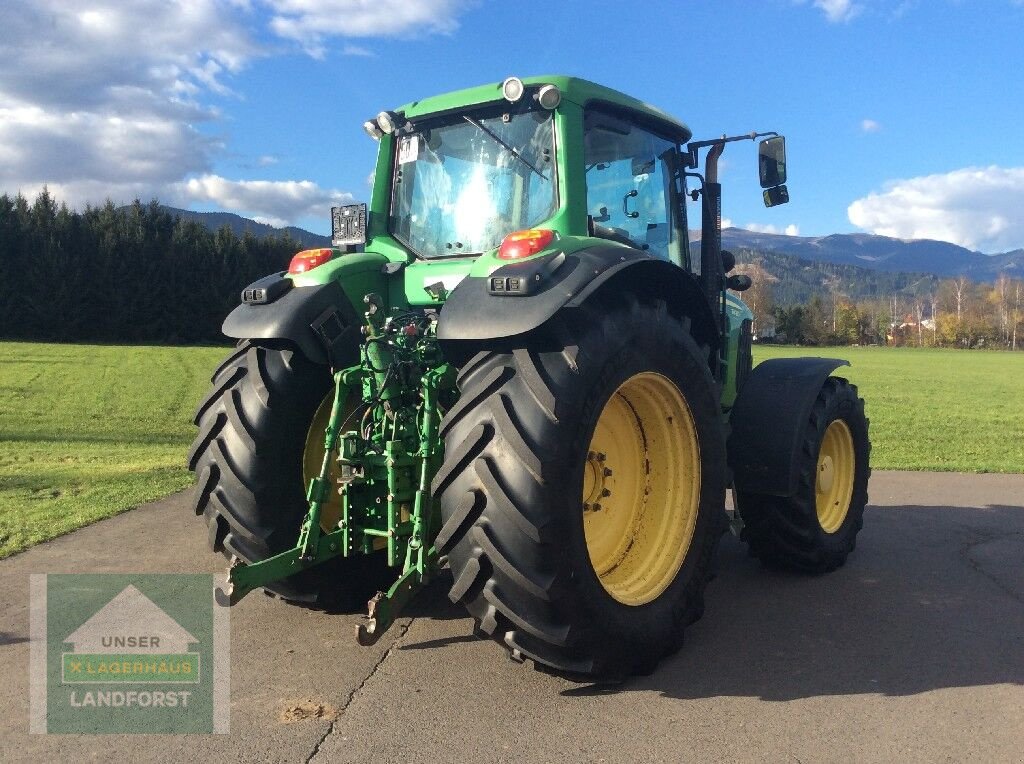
902, 117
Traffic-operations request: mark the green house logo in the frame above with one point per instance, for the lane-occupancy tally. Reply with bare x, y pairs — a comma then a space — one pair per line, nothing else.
117, 653
130, 640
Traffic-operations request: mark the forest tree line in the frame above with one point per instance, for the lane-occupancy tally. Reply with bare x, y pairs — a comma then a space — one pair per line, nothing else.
140, 274
129, 274
955, 313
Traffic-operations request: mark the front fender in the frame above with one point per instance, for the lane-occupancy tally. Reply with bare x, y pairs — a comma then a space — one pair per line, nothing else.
768, 422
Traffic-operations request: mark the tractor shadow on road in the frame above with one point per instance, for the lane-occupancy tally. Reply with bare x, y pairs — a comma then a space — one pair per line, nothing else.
433, 603
932, 598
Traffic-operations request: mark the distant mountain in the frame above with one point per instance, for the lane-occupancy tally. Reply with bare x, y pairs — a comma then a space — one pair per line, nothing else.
795, 280
883, 253
239, 225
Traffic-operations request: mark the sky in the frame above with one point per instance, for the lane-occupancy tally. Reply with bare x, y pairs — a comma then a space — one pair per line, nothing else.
902, 117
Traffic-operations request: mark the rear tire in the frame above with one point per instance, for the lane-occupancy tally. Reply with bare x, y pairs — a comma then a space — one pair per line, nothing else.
247, 458
517, 452
815, 530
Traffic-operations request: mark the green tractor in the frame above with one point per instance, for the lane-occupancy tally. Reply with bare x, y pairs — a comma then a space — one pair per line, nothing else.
511, 364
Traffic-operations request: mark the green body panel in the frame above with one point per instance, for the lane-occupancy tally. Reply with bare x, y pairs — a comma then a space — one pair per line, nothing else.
359, 274
451, 271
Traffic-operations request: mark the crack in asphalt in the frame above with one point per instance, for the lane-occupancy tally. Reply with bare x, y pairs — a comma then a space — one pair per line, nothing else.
352, 695
965, 552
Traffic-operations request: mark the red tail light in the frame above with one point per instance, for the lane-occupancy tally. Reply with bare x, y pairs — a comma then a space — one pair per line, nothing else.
309, 259
525, 243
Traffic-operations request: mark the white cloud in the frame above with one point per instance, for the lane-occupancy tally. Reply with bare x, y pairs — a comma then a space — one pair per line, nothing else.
275, 202
357, 50
870, 126
311, 22
975, 207
838, 11
110, 99
790, 230
108, 106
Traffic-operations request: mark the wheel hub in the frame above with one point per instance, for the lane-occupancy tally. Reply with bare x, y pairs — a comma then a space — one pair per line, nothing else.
596, 485
833, 489
641, 488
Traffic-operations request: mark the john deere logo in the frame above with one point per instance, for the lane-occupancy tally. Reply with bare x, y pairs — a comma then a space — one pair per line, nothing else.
128, 654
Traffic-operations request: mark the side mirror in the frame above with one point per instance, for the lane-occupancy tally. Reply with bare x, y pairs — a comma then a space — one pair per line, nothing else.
771, 161
739, 282
775, 196
728, 260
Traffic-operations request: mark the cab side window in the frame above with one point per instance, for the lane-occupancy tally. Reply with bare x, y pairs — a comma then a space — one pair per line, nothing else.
630, 188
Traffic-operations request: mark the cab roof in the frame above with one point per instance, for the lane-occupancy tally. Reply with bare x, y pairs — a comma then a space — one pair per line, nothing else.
579, 91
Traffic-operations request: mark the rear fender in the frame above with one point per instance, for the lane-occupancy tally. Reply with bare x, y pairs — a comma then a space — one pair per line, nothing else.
560, 281
319, 319
768, 422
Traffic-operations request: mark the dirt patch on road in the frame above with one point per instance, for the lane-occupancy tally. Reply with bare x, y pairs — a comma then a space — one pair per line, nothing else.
301, 710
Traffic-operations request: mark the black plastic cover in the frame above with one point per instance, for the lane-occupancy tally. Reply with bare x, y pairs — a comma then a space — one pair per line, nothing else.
769, 419
293, 316
474, 312
266, 289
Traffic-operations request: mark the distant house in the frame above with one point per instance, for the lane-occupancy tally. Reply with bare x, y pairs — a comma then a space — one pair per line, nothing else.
764, 330
907, 331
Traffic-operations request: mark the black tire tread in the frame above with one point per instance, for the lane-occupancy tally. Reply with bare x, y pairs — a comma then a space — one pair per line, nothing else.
497, 533
247, 460
783, 532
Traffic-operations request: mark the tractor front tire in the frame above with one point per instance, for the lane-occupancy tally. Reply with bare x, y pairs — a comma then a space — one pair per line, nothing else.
255, 426
816, 529
582, 492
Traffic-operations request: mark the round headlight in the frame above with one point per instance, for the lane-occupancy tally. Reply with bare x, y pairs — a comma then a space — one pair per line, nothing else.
549, 96
372, 129
387, 122
513, 89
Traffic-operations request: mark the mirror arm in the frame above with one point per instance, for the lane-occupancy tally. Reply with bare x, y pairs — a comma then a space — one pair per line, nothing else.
694, 146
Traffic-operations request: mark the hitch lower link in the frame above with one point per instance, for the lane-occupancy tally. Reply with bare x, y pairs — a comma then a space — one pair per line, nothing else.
315, 547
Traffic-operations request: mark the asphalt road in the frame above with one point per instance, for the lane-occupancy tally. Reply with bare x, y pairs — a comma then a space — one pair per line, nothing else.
914, 651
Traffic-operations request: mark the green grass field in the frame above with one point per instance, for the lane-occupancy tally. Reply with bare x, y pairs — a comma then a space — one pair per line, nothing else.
88, 431
935, 409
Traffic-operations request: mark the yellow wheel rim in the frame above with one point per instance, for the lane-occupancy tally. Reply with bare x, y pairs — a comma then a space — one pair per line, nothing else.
313, 459
641, 488
833, 486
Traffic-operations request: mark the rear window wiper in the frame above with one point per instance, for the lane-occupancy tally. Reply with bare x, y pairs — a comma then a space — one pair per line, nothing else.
500, 142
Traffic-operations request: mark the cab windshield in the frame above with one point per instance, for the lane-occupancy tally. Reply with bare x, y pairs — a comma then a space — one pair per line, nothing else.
463, 183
